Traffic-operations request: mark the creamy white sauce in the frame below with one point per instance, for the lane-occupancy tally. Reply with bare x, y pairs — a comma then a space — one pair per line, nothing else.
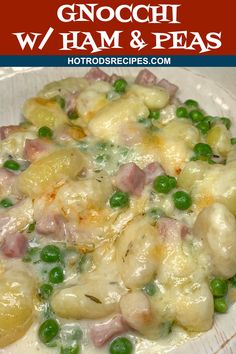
30, 344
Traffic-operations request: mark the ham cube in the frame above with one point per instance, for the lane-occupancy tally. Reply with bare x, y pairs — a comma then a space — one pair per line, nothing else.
95, 74
35, 149
53, 225
7, 130
131, 179
103, 332
152, 171
146, 78
14, 245
168, 86
172, 230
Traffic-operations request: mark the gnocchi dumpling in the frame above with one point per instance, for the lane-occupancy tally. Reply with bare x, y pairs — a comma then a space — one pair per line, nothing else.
108, 122
16, 218
70, 84
85, 193
94, 297
194, 307
182, 130
219, 139
154, 97
137, 253
218, 185
192, 172
137, 312
42, 112
46, 172
93, 98
16, 305
215, 226
171, 146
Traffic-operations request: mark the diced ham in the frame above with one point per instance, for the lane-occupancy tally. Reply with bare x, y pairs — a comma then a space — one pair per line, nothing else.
7, 130
146, 77
101, 333
53, 225
168, 86
171, 229
97, 74
136, 310
14, 245
35, 149
152, 171
130, 179
114, 77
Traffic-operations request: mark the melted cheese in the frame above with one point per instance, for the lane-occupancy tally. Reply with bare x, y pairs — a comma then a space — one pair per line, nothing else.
127, 249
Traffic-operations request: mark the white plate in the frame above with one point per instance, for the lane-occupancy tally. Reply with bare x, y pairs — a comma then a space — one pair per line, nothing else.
216, 95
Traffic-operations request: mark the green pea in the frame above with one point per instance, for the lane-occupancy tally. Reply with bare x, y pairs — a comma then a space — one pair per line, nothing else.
182, 200
48, 330
120, 85
203, 126
202, 149
73, 115
233, 141
50, 254
164, 184
70, 350
154, 114
155, 213
219, 287
233, 281
31, 228
119, 199
45, 132
45, 291
150, 289
56, 275
11, 165
60, 100
220, 305
6, 203
209, 119
172, 181
196, 115
121, 345
211, 162
226, 122
182, 112
191, 103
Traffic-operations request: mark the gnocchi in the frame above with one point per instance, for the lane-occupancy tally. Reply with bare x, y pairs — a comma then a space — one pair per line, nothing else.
117, 214
46, 172
16, 305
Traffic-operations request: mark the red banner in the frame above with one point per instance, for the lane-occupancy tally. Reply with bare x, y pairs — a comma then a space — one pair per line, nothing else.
62, 27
